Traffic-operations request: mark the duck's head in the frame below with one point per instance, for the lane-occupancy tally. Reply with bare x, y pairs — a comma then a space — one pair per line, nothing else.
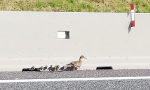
82, 57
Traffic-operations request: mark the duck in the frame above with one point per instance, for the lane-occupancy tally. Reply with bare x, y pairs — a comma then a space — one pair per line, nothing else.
77, 64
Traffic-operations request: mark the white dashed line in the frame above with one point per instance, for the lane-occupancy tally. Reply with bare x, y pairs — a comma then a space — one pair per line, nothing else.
75, 79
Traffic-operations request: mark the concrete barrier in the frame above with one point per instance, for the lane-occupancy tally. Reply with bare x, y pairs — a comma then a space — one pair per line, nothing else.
31, 39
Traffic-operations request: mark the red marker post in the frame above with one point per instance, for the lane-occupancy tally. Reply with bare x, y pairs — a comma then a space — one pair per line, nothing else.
132, 11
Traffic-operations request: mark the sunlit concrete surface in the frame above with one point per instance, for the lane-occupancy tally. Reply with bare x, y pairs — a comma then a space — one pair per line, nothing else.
30, 39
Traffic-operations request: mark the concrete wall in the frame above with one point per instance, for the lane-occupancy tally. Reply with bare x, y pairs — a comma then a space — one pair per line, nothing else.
30, 38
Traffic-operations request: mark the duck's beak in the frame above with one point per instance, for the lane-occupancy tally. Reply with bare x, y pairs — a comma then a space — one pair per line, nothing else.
85, 57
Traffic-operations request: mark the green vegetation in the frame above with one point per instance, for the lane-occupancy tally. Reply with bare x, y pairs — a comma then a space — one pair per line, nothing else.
74, 5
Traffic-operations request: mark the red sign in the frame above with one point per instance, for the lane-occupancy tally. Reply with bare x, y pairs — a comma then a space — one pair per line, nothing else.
132, 6
132, 24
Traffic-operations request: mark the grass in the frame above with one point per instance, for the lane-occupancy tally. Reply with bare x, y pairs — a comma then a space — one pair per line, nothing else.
74, 5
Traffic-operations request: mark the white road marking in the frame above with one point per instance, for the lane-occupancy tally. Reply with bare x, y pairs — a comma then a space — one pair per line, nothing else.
75, 79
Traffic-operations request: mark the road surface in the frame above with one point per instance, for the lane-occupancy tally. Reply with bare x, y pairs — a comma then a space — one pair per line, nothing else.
76, 80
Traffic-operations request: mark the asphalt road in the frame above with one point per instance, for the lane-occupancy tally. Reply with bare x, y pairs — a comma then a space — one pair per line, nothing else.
128, 84
80, 85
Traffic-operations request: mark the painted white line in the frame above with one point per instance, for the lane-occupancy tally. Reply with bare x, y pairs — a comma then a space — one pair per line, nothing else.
76, 79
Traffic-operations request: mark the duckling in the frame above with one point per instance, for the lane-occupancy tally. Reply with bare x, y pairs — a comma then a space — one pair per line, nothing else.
45, 67
55, 68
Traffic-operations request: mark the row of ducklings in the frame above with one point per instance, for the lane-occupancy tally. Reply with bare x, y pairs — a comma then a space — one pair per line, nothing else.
74, 65
51, 68
42, 68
